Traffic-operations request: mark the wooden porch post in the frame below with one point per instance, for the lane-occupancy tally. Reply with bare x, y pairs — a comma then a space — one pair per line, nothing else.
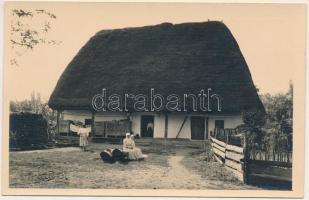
92, 124
166, 125
129, 116
58, 122
206, 136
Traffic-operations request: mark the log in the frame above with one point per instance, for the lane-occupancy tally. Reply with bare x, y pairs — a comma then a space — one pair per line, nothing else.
218, 159
235, 148
218, 147
234, 156
238, 175
234, 165
219, 153
218, 142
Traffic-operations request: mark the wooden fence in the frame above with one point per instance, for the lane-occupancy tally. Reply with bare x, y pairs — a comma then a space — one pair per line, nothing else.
231, 148
114, 129
231, 154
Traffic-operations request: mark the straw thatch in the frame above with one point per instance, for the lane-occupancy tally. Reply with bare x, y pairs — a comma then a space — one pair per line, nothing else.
181, 58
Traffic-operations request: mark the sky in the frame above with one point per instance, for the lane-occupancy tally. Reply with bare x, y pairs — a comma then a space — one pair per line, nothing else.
271, 38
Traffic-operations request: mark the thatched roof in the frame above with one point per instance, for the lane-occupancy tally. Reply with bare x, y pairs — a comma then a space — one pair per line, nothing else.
180, 58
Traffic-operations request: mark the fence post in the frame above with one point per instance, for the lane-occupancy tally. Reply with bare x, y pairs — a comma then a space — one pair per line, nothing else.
215, 133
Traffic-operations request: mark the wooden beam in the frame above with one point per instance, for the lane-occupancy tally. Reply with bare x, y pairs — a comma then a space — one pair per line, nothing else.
166, 125
206, 129
218, 147
218, 142
234, 165
183, 123
235, 148
219, 153
129, 116
238, 175
234, 156
92, 124
58, 122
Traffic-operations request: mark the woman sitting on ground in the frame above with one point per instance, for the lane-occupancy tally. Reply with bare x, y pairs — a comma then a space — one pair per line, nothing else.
134, 153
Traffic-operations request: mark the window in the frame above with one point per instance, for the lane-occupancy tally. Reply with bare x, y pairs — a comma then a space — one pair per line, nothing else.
88, 121
219, 124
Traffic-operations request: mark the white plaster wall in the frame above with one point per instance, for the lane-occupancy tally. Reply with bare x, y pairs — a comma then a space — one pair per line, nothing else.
159, 123
136, 123
174, 121
159, 126
229, 121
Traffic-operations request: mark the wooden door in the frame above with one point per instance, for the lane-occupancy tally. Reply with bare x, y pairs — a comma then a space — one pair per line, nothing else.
197, 128
147, 126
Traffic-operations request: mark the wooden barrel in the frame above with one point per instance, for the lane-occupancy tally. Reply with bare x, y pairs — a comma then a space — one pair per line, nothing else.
107, 155
118, 154
111, 155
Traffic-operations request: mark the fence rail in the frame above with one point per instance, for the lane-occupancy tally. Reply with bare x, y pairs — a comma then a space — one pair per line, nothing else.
231, 156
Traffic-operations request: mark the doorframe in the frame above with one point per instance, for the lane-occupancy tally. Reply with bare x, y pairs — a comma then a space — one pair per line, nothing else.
206, 126
148, 115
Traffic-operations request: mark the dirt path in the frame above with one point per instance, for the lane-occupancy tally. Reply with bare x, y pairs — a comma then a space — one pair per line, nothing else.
179, 176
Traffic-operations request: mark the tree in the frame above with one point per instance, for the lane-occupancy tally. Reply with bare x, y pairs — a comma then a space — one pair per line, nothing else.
29, 28
253, 120
279, 109
35, 105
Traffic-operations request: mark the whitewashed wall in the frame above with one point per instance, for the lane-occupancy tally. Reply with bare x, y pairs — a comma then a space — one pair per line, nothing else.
159, 123
174, 121
229, 121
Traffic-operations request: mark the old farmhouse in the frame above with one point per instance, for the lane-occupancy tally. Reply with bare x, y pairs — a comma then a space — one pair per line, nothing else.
171, 59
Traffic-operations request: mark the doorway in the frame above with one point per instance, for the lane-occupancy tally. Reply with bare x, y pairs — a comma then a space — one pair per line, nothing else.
197, 128
147, 125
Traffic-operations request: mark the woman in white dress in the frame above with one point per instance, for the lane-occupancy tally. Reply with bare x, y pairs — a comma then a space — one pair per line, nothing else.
83, 133
134, 153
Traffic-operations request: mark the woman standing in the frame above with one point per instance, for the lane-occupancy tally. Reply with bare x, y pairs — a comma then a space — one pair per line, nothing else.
83, 133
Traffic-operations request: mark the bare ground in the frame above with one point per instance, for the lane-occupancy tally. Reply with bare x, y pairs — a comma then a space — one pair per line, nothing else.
170, 164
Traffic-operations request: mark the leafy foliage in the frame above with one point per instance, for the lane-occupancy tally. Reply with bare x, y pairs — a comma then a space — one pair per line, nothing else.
272, 132
254, 120
29, 28
279, 109
34, 105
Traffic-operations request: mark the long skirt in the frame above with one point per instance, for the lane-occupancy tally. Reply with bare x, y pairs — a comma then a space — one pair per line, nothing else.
83, 141
134, 154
